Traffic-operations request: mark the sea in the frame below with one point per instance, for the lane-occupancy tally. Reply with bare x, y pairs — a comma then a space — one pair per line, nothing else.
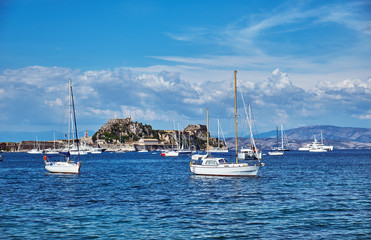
133, 195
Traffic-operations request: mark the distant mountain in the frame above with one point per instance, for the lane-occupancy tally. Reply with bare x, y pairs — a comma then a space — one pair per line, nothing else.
329, 133
8, 136
339, 137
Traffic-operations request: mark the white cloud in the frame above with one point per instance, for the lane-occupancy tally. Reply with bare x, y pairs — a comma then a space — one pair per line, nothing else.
102, 113
348, 86
365, 117
160, 96
56, 103
143, 114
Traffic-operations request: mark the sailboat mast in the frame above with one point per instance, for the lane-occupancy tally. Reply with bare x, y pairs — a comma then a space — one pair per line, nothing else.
69, 114
235, 111
281, 137
74, 122
277, 137
218, 135
207, 132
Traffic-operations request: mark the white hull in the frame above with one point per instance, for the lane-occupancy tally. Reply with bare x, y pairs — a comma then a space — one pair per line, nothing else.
276, 153
35, 151
317, 150
231, 169
77, 153
303, 149
96, 152
218, 150
170, 154
63, 167
52, 153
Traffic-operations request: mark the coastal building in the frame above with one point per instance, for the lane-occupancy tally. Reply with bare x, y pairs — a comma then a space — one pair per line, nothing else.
148, 141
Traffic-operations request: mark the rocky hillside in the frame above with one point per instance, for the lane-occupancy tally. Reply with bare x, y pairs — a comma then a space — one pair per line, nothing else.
126, 131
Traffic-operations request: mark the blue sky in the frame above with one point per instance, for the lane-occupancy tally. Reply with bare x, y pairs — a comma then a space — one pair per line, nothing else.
301, 62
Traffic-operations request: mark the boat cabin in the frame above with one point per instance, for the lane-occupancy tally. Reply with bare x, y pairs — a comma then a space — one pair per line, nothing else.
214, 161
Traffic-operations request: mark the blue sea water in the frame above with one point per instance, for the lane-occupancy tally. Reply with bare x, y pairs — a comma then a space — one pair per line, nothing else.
299, 195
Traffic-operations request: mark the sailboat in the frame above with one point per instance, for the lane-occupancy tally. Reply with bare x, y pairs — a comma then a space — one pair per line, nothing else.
208, 165
219, 149
251, 152
36, 149
52, 151
67, 165
183, 143
276, 151
171, 152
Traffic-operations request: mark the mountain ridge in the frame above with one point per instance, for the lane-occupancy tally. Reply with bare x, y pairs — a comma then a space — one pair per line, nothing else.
329, 132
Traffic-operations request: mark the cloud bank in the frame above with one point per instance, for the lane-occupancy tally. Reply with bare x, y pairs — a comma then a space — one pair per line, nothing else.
34, 98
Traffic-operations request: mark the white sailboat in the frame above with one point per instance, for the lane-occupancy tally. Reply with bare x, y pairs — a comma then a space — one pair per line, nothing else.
276, 151
208, 165
171, 152
67, 165
50, 151
219, 149
96, 150
183, 142
251, 152
36, 149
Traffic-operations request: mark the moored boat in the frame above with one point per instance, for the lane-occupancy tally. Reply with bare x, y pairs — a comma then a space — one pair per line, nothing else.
276, 151
170, 153
67, 165
208, 165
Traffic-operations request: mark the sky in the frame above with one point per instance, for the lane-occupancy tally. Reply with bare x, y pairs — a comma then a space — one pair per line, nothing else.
299, 63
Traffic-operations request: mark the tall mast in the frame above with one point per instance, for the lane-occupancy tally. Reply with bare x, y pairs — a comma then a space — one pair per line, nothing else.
235, 111
69, 113
172, 145
207, 133
277, 137
178, 137
218, 135
281, 137
74, 122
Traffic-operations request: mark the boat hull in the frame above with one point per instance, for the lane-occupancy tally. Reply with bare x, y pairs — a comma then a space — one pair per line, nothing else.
275, 153
63, 167
303, 149
225, 170
219, 151
33, 151
170, 154
317, 150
